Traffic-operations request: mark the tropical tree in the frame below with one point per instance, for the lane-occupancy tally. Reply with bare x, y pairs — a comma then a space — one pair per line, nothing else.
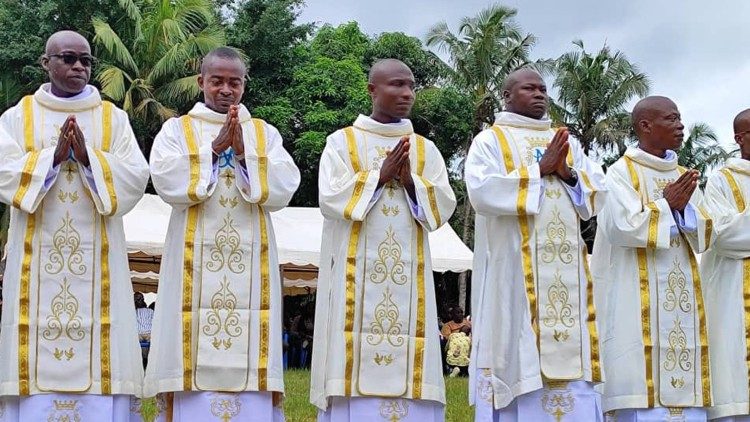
150, 67
592, 91
701, 151
486, 48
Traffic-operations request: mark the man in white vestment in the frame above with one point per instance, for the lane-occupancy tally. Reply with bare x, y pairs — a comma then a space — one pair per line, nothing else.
725, 269
376, 353
216, 334
655, 352
535, 352
70, 167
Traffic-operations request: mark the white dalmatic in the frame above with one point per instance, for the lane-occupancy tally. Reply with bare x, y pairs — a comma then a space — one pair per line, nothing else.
68, 324
376, 320
655, 344
725, 269
218, 323
546, 302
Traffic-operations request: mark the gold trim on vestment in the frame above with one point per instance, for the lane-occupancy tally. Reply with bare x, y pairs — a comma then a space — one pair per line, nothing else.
702, 330
381, 134
108, 181
192, 146
26, 175
420, 324
187, 297
23, 303
359, 185
260, 142
596, 370
104, 345
265, 303
504, 149
28, 122
430, 187
589, 186
736, 192
106, 125
644, 287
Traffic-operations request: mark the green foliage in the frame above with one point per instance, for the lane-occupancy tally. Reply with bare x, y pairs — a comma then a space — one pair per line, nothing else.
342, 42
266, 32
428, 69
701, 151
592, 91
444, 115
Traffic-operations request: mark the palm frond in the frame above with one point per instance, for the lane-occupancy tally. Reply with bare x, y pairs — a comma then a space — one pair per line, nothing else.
107, 38
112, 79
181, 90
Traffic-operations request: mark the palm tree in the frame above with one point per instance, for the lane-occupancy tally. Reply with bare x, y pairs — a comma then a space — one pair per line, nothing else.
701, 151
150, 67
592, 91
485, 50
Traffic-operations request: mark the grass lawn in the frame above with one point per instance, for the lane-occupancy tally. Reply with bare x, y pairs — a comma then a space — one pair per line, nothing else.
297, 407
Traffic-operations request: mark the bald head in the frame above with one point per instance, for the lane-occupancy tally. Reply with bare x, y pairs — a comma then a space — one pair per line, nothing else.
524, 73
62, 40
658, 125
391, 87
525, 93
742, 121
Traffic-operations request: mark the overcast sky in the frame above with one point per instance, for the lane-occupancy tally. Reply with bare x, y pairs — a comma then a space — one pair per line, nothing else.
695, 52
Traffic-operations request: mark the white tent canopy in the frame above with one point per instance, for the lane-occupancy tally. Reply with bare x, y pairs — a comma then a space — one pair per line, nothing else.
298, 236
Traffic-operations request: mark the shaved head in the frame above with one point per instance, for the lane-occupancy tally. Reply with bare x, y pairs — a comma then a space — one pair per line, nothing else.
658, 125
742, 121
61, 39
649, 107
382, 68
221, 53
517, 75
391, 87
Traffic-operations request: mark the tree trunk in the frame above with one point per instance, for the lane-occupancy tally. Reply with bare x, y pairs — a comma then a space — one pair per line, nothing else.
468, 218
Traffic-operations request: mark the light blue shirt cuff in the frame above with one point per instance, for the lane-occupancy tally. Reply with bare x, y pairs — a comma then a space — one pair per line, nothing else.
688, 224
90, 178
49, 180
416, 210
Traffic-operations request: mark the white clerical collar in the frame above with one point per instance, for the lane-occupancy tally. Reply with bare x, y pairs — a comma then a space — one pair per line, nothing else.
669, 162
86, 99
739, 164
506, 118
201, 112
387, 130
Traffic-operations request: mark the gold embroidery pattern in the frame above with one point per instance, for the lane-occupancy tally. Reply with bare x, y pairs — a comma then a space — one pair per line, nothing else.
552, 193
660, 185
677, 383
677, 352
389, 264
66, 249
64, 196
60, 353
383, 359
387, 211
386, 324
377, 161
64, 318
227, 238
558, 402
394, 410
223, 301
225, 406
534, 143
228, 202
69, 168
558, 309
677, 293
556, 246
228, 176
64, 411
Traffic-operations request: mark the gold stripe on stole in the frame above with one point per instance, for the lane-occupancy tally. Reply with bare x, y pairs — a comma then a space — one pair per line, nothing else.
702, 330
26, 174
106, 125
265, 303
644, 285
359, 185
420, 331
739, 201
106, 370
108, 180
351, 262
23, 321
187, 298
523, 223
260, 142
430, 188
587, 183
25, 282
596, 369
192, 146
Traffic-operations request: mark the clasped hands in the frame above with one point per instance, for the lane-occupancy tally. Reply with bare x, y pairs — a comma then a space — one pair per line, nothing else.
71, 139
678, 193
396, 165
230, 135
554, 160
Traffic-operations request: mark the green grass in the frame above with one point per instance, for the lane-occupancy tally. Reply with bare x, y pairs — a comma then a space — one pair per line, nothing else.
297, 407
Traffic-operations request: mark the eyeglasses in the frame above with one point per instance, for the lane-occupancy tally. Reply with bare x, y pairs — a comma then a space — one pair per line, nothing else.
70, 59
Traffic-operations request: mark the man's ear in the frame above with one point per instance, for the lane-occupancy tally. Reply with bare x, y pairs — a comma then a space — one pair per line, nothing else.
44, 61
